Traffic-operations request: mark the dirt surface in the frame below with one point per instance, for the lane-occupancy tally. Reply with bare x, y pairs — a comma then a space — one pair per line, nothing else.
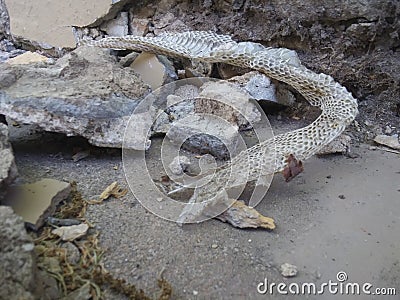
341, 214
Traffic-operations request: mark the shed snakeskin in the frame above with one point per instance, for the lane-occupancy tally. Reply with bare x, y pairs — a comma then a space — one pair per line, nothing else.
338, 107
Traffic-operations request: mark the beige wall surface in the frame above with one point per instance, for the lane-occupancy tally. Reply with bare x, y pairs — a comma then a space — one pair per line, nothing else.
50, 21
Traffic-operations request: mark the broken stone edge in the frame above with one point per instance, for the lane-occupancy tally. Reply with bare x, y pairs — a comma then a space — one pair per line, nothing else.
10, 165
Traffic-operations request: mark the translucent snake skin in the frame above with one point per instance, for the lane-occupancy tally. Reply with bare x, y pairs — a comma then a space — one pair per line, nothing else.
338, 106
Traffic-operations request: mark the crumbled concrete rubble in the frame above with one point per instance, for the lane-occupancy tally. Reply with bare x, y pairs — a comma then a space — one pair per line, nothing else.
84, 93
232, 104
8, 169
389, 141
341, 144
262, 89
18, 271
117, 26
179, 165
4, 20
228, 110
37, 201
8, 50
205, 135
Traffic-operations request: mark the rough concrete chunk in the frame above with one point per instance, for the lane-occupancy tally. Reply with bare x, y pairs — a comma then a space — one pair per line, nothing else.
231, 103
8, 169
261, 88
37, 201
117, 26
31, 20
205, 135
27, 58
339, 145
17, 266
86, 93
389, 141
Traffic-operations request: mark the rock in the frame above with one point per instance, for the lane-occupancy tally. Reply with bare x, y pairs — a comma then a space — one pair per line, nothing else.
50, 286
388, 130
205, 135
341, 144
179, 165
27, 58
4, 20
36, 201
32, 20
198, 69
261, 88
73, 254
18, 270
153, 71
8, 50
232, 104
168, 23
126, 61
258, 85
288, 270
85, 93
389, 141
71, 233
8, 169
138, 26
117, 26
216, 109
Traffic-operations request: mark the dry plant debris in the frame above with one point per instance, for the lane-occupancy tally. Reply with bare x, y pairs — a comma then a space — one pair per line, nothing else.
89, 271
242, 216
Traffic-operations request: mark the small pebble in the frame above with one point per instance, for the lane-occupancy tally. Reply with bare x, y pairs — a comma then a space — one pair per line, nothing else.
288, 270
195, 293
214, 246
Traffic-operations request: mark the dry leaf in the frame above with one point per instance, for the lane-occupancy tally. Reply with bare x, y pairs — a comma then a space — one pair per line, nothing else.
113, 190
242, 216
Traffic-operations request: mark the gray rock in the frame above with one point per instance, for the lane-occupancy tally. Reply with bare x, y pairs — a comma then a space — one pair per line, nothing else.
73, 254
230, 103
261, 88
205, 135
179, 165
341, 144
8, 169
288, 270
85, 93
138, 26
389, 141
18, 271
37, 201
117, 26
4, 20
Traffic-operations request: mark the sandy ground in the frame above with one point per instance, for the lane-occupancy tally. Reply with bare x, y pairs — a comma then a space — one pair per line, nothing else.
341, 214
